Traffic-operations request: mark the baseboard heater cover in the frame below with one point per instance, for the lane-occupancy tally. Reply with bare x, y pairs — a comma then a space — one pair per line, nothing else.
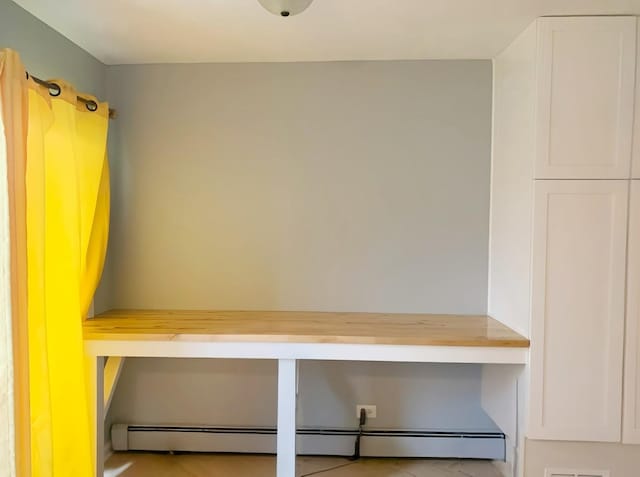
310, 441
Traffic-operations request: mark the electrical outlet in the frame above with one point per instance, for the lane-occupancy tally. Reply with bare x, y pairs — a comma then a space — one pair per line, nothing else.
370, 409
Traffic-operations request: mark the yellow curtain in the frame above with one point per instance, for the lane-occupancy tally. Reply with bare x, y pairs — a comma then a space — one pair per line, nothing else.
67, 190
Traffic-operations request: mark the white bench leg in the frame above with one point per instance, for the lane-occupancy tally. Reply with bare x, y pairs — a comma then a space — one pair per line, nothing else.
286, 443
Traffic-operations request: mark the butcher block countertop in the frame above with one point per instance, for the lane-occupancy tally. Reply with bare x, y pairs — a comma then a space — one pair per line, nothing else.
302, 327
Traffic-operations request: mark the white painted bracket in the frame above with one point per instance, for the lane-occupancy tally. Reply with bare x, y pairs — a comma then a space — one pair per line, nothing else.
112, 371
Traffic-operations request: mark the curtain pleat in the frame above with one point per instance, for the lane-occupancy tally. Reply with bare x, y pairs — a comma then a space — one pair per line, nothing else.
13, 114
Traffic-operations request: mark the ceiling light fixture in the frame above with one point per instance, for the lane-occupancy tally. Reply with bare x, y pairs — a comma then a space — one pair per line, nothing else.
285, 8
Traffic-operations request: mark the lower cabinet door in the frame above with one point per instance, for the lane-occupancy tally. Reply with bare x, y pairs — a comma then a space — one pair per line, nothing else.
631, 408
578, 309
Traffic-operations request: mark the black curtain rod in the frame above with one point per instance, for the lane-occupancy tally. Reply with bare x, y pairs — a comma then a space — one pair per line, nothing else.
54, 90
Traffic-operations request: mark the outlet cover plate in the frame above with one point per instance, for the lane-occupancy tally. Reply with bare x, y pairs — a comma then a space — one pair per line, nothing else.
370, 409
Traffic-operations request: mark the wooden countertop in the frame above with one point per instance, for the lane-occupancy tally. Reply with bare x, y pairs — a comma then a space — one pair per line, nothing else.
302, 327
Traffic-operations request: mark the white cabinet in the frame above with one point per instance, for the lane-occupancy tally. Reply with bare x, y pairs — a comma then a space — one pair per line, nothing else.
631, 410
578, 301
585, 97
635, 167
566, 143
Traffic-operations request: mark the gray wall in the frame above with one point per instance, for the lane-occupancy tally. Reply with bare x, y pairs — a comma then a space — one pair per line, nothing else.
47, 54
243, 393
317, 186
303, 186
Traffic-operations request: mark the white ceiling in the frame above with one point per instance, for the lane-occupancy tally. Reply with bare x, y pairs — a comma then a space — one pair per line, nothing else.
168, 31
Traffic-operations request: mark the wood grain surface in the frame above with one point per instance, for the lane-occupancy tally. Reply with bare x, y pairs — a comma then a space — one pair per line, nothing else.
302, 327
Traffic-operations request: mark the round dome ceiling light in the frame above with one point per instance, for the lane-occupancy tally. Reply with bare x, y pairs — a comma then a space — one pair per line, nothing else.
285, 8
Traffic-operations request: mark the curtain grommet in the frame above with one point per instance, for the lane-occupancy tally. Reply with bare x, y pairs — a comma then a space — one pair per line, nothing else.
92, 106
54, 89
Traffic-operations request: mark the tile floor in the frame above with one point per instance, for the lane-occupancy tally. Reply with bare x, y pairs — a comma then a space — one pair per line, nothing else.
130, 464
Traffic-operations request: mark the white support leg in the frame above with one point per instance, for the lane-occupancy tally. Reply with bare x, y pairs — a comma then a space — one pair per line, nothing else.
286, 460
95, 380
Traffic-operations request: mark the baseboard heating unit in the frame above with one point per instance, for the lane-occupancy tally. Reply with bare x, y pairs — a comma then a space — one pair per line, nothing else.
310, 441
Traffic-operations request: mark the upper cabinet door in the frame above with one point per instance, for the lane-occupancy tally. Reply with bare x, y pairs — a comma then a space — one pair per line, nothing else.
631, 409
635, 167
578, 308
585, 75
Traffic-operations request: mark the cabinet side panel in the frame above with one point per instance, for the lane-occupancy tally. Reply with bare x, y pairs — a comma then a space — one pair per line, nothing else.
511, 183
510, 232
